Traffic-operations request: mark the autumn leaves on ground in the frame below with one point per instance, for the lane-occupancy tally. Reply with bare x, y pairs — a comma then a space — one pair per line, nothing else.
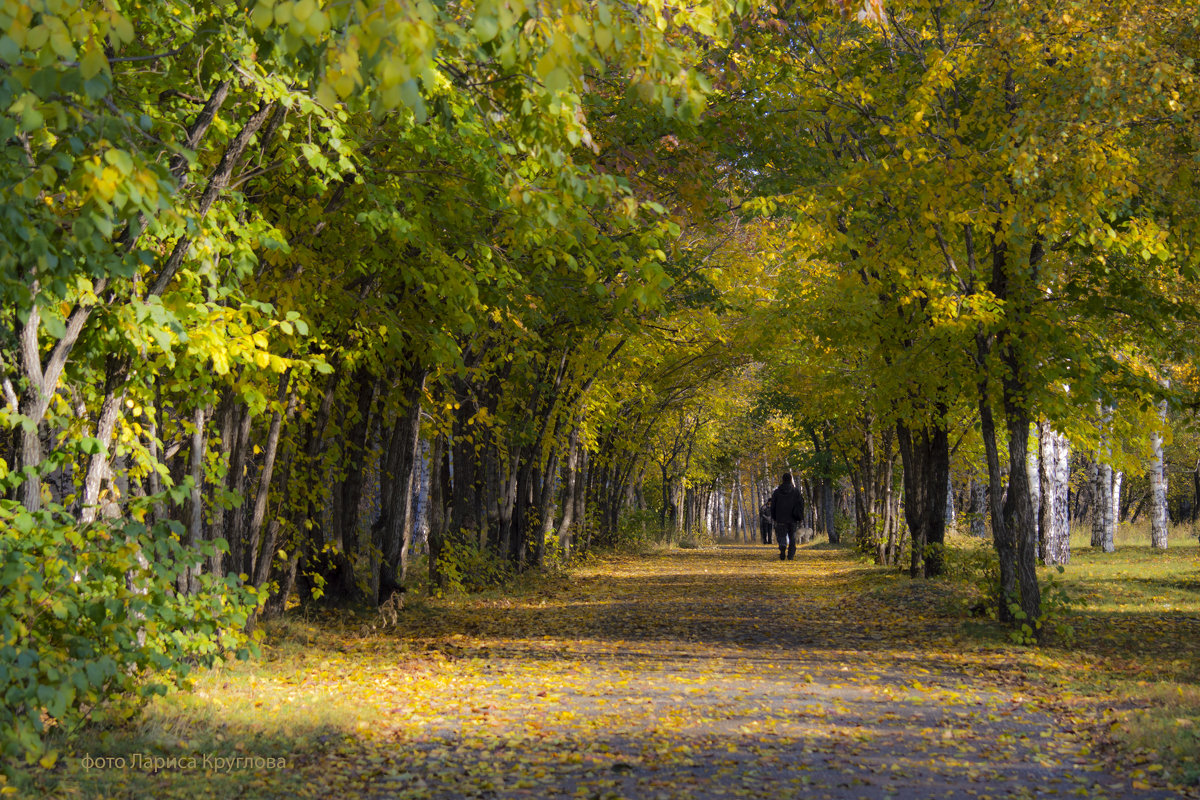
717, 672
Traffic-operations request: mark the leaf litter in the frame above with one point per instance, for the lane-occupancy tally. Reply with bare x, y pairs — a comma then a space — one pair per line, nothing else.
709, 673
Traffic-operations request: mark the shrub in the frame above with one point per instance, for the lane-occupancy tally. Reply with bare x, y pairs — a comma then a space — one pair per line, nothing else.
466, 568
978, 565
90, 615
637, 530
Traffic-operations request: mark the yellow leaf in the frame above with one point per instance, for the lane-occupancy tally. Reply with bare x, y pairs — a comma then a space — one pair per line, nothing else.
60, 41
122, 29
37, 37
93, 63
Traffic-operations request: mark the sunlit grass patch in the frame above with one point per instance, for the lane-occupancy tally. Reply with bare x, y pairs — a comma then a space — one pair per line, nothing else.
1136, 534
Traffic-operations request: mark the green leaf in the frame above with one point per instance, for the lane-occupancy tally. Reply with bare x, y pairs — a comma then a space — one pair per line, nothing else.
486, 27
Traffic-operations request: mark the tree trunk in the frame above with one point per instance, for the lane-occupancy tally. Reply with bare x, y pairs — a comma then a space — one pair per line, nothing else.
1102, 508
951, 516
978, 508
546, 506
1118, 479
238, 473
1018, 515
1158, 486
341, 587
258, 516
98, 466
1053, 525
926, 460
1033, 464
1196, 492
581, 488
568, 493
464, 494
829, 510
189, 579
397, 534
437, 514
1103, 501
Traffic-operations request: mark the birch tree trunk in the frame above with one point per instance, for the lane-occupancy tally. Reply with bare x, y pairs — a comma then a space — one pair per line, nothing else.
1158, 487
1114, 517
1102, 506
1104, 500
1055, 472
951, 515
1033, 467
1047, 449
1061, 534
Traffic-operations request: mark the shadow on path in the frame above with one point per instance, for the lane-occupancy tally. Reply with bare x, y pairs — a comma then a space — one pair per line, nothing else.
726, 673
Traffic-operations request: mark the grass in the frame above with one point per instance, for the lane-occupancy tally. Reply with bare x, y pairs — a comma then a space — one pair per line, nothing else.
1129, 658
1136, 615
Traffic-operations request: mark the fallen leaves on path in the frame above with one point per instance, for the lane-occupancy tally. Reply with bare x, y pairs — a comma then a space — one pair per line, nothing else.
697, 674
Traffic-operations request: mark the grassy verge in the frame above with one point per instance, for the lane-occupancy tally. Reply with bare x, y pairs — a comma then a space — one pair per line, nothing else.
1127, 657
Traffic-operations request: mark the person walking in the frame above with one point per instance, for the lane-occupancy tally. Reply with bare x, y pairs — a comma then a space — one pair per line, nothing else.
787, 510
765, 524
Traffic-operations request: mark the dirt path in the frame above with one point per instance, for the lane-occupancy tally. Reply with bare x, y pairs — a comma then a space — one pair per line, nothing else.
726, 673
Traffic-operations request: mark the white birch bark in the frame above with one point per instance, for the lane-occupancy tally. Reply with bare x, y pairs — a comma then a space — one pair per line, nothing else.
1033, 466
951, 516
1061, 530
1158, 487
1114, 519
1055, 531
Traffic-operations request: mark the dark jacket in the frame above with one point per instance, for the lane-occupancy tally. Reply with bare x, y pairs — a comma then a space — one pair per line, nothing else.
787, 504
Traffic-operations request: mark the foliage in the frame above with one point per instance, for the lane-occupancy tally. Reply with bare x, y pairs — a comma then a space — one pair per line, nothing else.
90, 615
465, 568
976, 565
584, 274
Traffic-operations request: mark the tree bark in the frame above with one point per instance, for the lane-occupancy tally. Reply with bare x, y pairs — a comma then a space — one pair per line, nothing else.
1053, 528
98, 465
189, 579
568, 492
925, 455
398, 533
258, 515
1158, 486
437, 514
